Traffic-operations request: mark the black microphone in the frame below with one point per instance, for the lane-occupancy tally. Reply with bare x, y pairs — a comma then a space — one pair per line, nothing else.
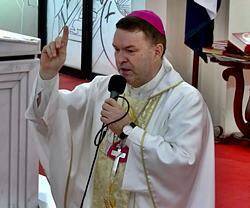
117, 84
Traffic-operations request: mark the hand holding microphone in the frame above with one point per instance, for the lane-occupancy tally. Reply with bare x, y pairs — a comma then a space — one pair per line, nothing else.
111, 110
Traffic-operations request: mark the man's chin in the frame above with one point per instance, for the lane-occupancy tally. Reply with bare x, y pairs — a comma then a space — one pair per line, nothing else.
127, 75
130, 81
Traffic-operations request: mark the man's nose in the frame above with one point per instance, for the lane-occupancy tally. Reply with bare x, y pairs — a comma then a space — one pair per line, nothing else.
121, 57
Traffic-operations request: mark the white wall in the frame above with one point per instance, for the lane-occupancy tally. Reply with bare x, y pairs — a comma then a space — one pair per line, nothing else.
178, 53
19, 16
211, 83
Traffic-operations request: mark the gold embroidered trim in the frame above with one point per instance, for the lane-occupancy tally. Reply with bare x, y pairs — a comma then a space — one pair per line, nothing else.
172, 86
155, 98
145, 170
108, 188
149, 109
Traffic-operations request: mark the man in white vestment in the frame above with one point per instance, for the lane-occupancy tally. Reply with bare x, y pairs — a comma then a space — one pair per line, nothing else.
161, 154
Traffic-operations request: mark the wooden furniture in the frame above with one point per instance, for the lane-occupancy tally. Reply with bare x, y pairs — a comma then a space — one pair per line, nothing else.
18, 158
195, 74
235, 69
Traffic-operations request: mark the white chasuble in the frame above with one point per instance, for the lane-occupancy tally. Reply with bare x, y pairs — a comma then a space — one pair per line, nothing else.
171, 156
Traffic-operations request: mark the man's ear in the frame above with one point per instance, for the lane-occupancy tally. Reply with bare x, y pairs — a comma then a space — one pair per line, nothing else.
159, 50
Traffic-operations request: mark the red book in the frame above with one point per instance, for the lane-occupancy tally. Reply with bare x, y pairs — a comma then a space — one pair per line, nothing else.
241, 41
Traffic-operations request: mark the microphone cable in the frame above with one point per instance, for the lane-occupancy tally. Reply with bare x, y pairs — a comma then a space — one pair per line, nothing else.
97, 141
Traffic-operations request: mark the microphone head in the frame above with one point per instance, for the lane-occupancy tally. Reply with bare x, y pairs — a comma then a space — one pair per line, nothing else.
117, 83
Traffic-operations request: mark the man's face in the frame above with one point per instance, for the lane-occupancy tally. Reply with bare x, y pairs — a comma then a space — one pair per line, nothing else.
136, 57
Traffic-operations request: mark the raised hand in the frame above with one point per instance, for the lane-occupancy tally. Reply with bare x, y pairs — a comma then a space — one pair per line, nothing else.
54, 55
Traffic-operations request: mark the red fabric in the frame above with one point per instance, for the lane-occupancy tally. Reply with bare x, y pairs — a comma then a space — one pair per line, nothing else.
69, 82
41, 170
232, 175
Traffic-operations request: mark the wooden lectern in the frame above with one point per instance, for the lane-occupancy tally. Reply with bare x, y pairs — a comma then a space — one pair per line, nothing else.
235, 68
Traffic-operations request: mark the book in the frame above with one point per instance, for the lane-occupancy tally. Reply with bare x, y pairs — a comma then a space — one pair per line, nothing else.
225, 51
241, 40
218, 47
225, 48
212, 50
231, 48
220, 44
235, 55
228, 59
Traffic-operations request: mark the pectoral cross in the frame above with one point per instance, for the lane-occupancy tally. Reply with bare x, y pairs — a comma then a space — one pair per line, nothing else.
118, 154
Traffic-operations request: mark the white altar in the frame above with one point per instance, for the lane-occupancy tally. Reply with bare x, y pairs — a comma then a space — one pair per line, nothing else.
18, 159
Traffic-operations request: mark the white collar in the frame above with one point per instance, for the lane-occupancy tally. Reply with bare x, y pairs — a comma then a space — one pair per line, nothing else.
148, 88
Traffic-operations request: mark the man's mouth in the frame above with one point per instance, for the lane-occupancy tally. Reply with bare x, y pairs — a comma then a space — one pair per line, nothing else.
124, 71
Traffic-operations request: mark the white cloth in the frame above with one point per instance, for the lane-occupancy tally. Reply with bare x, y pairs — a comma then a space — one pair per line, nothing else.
178, 147
210, 6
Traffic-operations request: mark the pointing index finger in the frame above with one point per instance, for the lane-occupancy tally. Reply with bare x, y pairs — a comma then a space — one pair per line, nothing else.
65, 35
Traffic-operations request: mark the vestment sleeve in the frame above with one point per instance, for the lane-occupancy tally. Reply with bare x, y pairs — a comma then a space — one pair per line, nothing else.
55, 113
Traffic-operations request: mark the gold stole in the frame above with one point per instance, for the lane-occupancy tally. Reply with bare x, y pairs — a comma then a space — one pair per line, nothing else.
107, 191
